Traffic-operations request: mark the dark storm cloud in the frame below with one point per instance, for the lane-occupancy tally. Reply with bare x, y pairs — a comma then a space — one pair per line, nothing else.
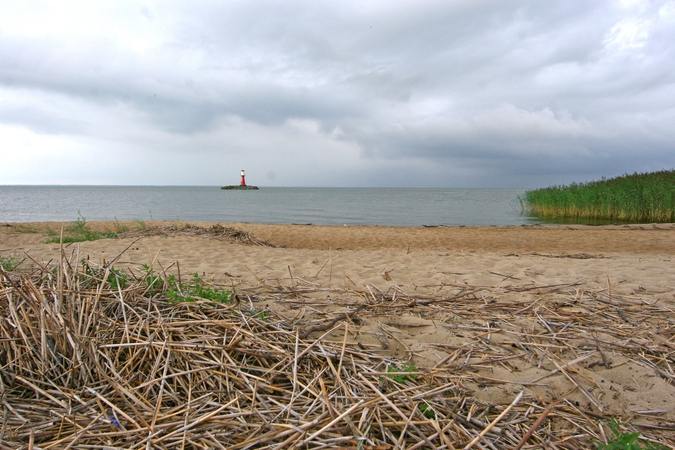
513, 89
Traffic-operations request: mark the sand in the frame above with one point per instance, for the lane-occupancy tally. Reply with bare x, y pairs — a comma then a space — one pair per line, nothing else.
506, 308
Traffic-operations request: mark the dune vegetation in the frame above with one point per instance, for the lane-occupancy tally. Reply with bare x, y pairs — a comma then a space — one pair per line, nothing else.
640, 198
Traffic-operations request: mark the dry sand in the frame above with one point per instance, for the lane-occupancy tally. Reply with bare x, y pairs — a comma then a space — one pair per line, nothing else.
502, 307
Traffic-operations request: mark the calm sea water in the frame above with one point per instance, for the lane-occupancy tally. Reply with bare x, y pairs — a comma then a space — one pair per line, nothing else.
332, 206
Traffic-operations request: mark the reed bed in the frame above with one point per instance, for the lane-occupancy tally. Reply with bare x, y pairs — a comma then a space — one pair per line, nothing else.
642, 198
87, 363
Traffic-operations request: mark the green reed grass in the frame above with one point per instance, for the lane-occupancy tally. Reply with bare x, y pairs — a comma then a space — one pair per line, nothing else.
79, 231
24, 228
640, 197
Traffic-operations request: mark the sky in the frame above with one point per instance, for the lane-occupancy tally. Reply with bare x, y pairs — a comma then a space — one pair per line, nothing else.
449, 94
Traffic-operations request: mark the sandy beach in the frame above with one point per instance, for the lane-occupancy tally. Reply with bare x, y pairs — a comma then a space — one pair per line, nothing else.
577, 316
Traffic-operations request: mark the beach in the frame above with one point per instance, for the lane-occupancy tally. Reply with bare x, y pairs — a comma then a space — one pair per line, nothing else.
574, 316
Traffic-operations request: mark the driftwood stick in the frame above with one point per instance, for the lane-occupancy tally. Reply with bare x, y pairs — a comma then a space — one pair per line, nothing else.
533, 428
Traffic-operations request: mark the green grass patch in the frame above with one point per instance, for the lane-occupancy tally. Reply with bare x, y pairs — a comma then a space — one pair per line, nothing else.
151, 284
92, 276
120, 228
427, 411
78, 231
195, 289
9, 262
23, 228
637, 198
626, 441
259, 314
154, 283
402, 378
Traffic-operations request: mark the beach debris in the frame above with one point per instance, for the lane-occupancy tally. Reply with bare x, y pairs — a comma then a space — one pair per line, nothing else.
93, 356
217, 231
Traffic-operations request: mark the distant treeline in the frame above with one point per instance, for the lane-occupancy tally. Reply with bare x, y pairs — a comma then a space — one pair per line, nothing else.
640, 197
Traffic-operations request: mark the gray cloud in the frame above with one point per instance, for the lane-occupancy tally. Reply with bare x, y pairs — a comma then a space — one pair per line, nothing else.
464, 93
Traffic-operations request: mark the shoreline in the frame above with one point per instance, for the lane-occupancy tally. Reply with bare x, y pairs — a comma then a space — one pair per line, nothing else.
526, 239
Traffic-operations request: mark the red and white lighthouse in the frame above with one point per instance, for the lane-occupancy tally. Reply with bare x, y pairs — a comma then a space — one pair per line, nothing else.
243, 179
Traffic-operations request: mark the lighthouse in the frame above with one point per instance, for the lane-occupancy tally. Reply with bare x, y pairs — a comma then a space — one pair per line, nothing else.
242, 186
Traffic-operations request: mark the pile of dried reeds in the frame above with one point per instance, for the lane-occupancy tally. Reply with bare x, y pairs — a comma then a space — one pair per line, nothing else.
88, 363
217, 231
563, 340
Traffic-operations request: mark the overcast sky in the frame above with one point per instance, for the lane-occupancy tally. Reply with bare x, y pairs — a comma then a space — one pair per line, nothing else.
453, 93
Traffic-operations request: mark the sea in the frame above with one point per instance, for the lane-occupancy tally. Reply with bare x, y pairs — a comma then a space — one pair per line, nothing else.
277, 205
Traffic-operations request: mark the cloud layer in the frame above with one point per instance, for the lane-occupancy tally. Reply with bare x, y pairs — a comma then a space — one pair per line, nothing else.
444, 94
